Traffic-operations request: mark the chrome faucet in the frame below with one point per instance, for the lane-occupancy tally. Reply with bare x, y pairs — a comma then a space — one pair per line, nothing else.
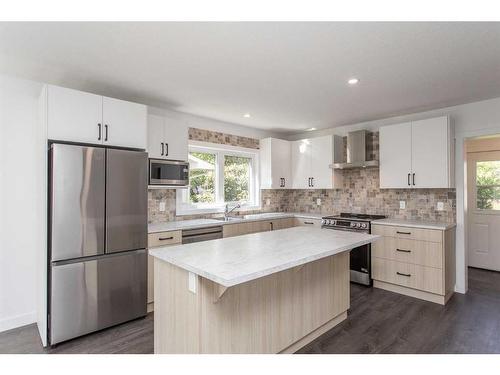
227, 211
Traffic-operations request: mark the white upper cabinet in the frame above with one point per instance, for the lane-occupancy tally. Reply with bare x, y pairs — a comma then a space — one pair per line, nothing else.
81, 117
275, 164
74, 116
301, 164
419, 154
311, 161
167, 138
124, 123
395, 156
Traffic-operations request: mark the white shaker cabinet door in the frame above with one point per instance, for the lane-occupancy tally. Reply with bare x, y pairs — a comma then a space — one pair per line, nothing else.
395, 156
280, 164
74, 116
156, 143
430, 153
175, 139
301, 164
321, 159
125, 123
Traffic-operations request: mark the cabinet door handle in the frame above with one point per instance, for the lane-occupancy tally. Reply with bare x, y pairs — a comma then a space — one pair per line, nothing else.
105, 133
166, 149
162, 149
99, 137
312, 181
403, 274
166, 238
413, 179
308, 223
284, 182
403, 251
271, 225
398, 232
409, 179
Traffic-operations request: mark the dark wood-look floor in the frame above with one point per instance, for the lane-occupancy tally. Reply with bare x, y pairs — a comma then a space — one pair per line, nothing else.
378, 322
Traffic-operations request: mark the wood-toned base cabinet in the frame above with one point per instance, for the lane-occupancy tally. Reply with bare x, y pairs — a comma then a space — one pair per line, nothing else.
413, 261
278, 313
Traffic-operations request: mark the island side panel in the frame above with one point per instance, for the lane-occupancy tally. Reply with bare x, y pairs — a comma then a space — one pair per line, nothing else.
176, 316
270, 314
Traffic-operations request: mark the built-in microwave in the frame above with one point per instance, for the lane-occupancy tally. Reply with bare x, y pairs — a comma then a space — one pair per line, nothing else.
168, 172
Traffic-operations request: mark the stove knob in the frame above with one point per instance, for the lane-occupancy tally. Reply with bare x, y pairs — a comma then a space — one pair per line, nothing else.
323, 222
353, 225
363, 225
333, 222
358, 225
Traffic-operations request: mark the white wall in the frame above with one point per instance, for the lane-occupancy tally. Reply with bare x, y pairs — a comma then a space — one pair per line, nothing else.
19, 236
473, 119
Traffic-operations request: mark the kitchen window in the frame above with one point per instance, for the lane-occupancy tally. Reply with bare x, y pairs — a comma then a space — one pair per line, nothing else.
219, 175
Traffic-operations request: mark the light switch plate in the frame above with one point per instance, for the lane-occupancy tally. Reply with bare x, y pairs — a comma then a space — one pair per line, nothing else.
268, 202
163, 206
318, 201
402, 205
440, 206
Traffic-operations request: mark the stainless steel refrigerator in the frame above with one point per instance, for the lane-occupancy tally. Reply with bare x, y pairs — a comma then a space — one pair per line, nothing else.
97, 239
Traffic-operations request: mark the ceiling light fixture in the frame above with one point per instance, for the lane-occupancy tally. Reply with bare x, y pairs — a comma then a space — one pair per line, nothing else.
353, 81
311, 129
247, 115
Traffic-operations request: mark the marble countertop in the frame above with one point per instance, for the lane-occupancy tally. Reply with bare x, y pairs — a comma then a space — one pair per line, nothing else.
201, 223
415, 223
236, 260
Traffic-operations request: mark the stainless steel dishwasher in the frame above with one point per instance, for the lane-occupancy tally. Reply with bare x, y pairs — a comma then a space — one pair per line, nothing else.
201, 234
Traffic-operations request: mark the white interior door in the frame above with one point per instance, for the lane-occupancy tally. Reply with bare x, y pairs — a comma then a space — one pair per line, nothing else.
483, 192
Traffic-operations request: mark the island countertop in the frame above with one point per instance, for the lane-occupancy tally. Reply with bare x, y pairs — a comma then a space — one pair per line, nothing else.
236, 260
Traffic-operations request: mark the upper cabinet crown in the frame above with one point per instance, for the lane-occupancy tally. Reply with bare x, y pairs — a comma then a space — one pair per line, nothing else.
417, 154
78, 116
167, 138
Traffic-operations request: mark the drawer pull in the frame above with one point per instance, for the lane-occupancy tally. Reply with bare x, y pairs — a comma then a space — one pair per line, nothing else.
308, 223
398, 232
403, 274
403, 251
166, 238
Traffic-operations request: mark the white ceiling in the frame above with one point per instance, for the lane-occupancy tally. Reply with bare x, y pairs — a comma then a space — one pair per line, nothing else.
289, 76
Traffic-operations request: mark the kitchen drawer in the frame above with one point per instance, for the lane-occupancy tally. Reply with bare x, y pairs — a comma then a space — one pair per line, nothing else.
408, 275
423, 253
316, 223
430, 235
164, 238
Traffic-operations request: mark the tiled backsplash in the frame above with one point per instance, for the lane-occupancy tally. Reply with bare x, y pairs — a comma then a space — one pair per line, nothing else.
360, 193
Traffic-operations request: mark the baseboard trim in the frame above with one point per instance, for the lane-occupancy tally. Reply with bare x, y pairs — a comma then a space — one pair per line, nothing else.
426, 296
17, 321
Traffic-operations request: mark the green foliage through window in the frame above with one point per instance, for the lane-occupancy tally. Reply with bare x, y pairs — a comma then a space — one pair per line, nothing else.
488, 185
202, 177
236, 178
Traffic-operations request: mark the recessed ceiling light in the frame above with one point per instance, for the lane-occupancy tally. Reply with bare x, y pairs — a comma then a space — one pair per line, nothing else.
311, 129
353, 81
247, 115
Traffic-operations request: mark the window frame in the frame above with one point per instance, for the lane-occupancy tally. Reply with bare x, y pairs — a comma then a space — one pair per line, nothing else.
182, 204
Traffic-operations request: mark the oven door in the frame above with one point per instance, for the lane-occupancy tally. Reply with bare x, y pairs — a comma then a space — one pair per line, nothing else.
168, 172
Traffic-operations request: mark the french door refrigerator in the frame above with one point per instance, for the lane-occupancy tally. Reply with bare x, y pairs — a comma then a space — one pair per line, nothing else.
97, 239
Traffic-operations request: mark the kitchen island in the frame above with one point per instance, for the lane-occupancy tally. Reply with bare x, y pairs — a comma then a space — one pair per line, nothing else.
269, 292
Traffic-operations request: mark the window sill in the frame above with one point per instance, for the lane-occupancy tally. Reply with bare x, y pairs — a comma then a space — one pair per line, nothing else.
184, 211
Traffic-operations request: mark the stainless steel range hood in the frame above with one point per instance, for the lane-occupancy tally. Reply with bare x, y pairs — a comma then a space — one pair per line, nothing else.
356, 152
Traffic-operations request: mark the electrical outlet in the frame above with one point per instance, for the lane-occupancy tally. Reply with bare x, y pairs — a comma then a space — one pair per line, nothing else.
318, 201
268, 202
163, 206
440, 206
402, 205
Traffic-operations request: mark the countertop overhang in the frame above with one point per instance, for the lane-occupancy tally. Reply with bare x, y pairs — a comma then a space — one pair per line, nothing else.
236, 260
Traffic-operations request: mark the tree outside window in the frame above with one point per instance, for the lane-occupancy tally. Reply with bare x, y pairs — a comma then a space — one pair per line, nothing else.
488, 185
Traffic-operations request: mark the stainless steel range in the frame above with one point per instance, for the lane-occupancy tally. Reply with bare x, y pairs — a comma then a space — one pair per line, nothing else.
360, 256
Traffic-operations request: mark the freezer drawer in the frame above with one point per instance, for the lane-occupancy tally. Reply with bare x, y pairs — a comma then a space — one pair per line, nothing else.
97, 293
